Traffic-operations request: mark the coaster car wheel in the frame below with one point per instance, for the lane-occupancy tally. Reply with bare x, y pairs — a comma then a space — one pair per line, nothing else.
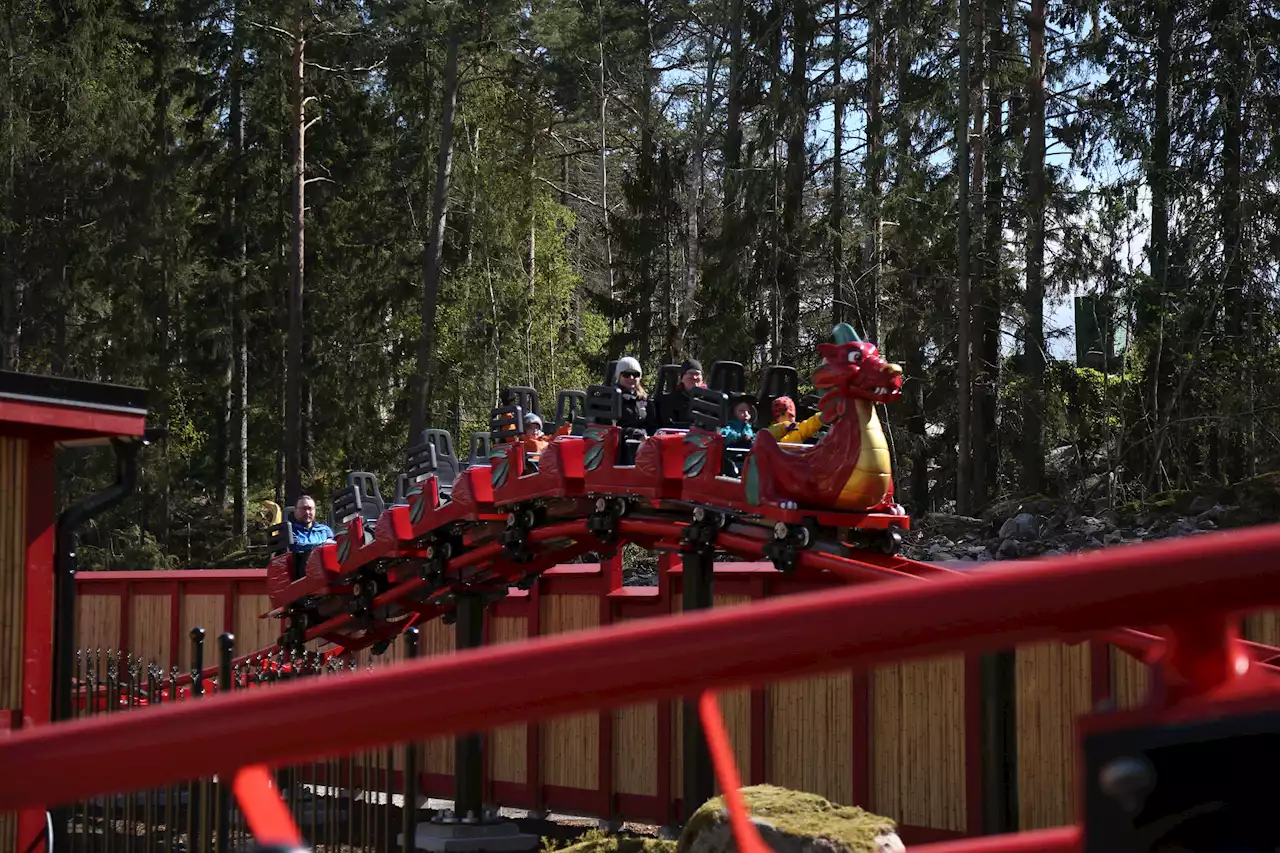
438, 556
787, 543
294, 637
891, 541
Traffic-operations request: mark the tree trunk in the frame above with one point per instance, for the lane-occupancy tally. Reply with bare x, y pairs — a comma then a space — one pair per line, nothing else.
733, 114
294, 432
604, 188
1150, 313
874, 167
964, 496
161, 245
531, 225
646, 168
693, 235
789, 267
838, 312
420, 416
240, 302
1034, 355
912, 335
986, 340
977, 173
10, 297
1232, 83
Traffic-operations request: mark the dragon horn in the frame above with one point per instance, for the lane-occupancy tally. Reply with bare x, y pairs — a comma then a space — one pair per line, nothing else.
845, 334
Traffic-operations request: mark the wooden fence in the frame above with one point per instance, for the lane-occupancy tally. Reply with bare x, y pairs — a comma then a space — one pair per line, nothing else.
900, 740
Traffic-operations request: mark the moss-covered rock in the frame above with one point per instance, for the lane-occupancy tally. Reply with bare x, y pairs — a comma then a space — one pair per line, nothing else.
791, 822
596, 841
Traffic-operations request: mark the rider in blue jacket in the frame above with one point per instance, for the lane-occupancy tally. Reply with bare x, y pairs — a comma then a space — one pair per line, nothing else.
307, 532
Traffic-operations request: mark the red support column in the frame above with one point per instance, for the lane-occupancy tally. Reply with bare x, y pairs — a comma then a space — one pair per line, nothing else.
37, 656
1204, 655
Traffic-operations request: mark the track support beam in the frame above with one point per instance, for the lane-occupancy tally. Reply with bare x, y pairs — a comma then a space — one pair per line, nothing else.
468, 779
699, 778
999, 742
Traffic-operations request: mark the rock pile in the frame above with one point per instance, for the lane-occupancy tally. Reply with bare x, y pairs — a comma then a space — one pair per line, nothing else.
1037, 526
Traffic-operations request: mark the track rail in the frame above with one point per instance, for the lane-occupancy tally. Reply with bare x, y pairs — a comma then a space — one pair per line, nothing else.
470, 571
666, 657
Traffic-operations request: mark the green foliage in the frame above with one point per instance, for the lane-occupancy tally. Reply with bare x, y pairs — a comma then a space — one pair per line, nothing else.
582, 130
1082, 406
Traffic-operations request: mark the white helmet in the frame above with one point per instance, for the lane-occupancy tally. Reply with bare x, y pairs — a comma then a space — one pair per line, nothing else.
626, 363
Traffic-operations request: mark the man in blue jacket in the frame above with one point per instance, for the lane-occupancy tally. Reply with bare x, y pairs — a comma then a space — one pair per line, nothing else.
307, 532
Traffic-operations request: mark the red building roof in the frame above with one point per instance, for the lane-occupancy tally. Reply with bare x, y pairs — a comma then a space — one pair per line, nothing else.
70, 411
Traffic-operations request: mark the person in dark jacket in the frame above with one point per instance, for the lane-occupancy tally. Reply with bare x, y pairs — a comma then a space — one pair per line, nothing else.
674, 409
636, 416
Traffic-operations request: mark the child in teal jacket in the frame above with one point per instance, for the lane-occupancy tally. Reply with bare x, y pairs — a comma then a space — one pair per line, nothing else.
738, 432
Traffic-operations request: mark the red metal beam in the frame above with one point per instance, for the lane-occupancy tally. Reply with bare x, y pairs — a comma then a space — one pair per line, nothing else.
173, 575
653, 659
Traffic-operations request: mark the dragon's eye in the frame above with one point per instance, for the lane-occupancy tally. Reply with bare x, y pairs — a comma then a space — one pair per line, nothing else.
855, 356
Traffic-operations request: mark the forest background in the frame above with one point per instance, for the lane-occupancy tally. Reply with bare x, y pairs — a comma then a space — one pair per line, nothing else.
312, 228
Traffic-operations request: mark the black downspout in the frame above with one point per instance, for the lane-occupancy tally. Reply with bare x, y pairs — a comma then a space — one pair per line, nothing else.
64, 594
64, 634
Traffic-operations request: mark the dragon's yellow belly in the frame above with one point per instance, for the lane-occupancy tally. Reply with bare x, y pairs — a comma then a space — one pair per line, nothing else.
872, 477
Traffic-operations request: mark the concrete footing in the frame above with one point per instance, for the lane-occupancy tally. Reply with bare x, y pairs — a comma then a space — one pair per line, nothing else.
492, 836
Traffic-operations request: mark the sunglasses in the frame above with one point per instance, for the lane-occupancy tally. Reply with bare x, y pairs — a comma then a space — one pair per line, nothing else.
630, 374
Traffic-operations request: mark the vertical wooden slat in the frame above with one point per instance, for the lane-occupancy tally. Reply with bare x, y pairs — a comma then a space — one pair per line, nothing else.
13, 564
507, 748
149, 627
918, 743
1053, 689
437, 753
570, 744
13, 568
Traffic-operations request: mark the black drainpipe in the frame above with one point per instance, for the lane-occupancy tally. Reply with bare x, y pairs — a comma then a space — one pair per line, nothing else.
64, 634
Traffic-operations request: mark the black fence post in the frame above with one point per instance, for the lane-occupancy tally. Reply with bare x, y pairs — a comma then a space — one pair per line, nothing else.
197, 814
410, 813
222, 830
197, 661
999, 742
469, 748
699, 780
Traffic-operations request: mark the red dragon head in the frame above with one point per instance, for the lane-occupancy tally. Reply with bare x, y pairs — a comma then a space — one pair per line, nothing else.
853, 367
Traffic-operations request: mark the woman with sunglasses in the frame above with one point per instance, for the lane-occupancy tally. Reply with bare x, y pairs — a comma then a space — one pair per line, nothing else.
636, 415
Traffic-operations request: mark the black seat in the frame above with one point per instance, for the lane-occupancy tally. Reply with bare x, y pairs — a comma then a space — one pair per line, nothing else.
281, 541
480, 449
603, 405
609, 369
372, 496
728, 376
506, 425
777, 380
708, 409
668, 379
401, 496
352, 502
523, 396
420, 462
447, 467
807, 406
571, 408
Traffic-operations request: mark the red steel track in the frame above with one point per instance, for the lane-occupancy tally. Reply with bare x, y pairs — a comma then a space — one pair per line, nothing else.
1166, 583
